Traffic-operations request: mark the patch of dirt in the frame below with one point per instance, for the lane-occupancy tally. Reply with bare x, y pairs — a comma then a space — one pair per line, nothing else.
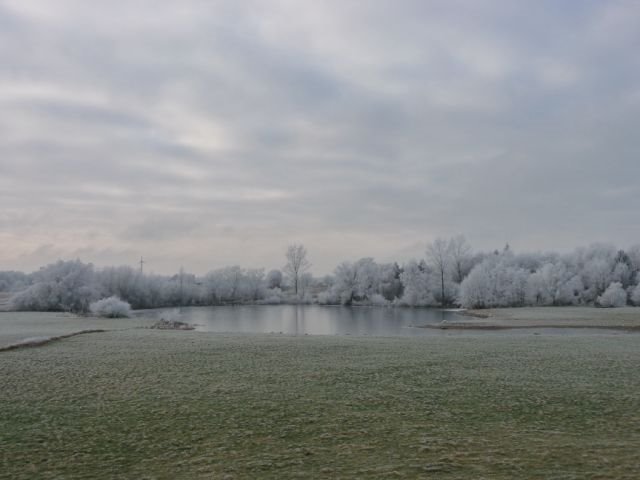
473, 313
163, 324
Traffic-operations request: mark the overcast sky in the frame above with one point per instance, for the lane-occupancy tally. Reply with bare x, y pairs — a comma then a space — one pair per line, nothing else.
210, 133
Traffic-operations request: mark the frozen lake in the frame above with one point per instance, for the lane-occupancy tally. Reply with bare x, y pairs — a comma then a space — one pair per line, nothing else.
308, 319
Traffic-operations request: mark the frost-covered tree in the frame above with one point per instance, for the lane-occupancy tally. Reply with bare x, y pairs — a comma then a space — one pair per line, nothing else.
614, 296
254, 284
496, 282
553, 284
235, 285
149, 291
63, 286
460, 253
622, 273
274, 279
476, 290
304, 287
633, 254
11, 281
596, 276
439, 256
501, 278
416, 286
390, 285
128, 284
635, 295
179, 290
364, 281
297, 264
328, 295
345, 286
451, 291
367, 278
595, 265
223, 285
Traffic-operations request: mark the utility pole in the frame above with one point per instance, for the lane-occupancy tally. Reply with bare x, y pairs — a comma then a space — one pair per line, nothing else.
141, 264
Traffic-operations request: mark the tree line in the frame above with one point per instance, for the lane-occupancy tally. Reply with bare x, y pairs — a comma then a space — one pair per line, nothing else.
450, 274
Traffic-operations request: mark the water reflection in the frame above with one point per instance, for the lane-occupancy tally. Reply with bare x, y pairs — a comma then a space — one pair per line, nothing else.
311, 319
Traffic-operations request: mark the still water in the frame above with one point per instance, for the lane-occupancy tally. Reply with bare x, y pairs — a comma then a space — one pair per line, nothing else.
309, 319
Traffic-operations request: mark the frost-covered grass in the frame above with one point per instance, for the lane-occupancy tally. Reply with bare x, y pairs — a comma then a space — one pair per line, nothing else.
166, 404
625, 317
17, 326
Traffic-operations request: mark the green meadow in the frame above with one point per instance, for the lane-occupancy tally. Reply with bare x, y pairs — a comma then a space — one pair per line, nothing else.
142, 403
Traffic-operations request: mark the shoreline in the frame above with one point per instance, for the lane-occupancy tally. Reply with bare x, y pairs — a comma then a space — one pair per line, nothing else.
624, 318
469, 326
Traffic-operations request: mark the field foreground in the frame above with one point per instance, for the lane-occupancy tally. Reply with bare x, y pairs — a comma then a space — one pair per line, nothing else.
17, 327
627, 318
167, 404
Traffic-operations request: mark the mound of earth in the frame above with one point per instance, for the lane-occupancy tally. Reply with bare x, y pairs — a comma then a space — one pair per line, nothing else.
163, 324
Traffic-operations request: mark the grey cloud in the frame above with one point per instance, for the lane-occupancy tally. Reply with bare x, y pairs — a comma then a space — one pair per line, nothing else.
218, 132
161, 228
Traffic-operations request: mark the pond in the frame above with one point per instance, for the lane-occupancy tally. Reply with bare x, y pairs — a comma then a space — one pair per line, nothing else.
309, 319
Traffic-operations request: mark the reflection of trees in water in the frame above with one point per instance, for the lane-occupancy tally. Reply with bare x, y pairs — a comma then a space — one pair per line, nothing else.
373, 320
313, 319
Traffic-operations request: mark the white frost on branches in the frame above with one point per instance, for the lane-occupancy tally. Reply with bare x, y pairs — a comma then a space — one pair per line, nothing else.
111, 307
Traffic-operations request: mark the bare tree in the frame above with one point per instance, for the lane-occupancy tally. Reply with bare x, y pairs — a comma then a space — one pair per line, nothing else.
460, 257
297, 263
439, 254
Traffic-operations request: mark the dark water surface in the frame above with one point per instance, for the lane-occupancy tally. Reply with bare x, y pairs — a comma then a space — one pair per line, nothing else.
309, 319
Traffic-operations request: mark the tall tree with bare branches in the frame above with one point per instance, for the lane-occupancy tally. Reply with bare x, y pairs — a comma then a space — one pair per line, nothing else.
460, 252
439, 256
297, 263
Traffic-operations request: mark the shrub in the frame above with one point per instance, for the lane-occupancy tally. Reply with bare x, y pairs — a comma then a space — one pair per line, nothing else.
328, 297
613, 296
378, 300
273, 296
111, 307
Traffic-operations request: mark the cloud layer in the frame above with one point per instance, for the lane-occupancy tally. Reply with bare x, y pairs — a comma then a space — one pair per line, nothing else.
207, 133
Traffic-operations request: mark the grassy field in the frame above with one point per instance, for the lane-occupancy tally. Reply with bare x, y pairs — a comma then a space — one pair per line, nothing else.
166, 404
18, 326
557, 317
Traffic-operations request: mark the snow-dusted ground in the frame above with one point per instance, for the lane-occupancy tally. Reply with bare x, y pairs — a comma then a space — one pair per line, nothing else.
578, 317
15, 327
144, 403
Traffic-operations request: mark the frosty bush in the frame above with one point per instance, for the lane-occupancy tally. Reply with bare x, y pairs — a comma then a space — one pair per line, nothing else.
614, 296
378, 300
273, 296
111, 307
328, 297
